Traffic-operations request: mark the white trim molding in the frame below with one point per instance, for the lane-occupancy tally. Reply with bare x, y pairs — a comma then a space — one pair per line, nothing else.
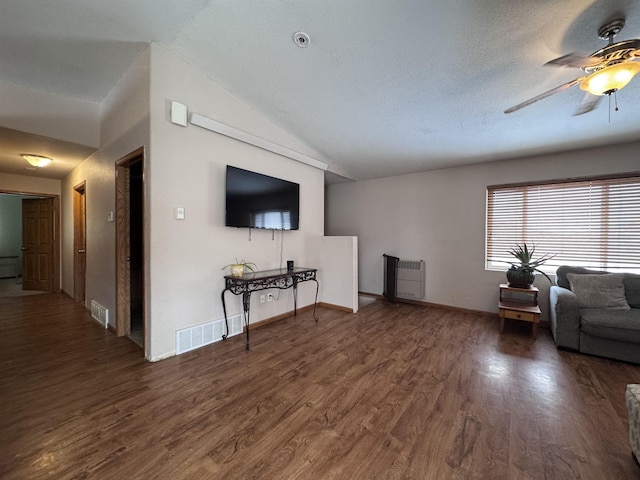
224, 129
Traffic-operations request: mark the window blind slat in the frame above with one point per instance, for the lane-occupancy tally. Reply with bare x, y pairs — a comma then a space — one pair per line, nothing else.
590, 222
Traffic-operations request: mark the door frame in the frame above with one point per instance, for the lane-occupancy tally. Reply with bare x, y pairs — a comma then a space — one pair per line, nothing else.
123, 281
79, 229
56, 231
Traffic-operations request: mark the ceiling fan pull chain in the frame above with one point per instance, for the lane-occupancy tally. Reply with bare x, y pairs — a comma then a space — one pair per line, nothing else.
616, 99
609, 107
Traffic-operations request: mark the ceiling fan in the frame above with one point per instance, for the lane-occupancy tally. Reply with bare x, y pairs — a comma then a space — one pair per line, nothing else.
606, 70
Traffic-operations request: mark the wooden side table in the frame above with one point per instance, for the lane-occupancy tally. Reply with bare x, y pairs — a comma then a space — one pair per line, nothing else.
519, 304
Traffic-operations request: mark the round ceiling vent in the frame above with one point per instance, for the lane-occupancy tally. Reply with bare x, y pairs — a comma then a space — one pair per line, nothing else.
301, 39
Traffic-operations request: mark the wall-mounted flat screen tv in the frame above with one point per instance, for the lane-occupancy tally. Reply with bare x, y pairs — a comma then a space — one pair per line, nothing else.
254, 200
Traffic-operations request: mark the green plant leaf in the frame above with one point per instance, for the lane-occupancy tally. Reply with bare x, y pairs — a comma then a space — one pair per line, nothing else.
525, 255
248, 265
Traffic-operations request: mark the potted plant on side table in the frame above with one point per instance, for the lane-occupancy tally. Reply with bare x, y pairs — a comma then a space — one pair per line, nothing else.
238, 268
522, 273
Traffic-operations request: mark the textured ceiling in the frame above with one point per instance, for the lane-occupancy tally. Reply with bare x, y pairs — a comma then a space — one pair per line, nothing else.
384, 88
13, 143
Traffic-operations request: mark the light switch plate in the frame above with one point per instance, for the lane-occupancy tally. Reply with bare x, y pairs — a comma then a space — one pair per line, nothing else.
179, 213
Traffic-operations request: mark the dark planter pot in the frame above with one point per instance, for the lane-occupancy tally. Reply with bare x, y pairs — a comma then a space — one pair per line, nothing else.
520, 278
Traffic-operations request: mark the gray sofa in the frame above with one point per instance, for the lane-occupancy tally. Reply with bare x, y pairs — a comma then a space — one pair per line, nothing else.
596, 312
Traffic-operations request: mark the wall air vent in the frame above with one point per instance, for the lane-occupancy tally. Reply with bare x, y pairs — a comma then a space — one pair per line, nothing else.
100, 313
198, 336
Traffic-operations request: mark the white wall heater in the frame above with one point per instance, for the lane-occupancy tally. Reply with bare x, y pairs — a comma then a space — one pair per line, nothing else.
410, 280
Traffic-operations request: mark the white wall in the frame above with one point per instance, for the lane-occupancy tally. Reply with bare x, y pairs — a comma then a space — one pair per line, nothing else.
187, 169
29, 184
124, 128
51, 115
439, 216
339, 271
10, 231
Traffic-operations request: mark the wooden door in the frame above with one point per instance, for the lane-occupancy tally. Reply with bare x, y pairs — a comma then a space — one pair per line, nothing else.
130, 261
123, 255
79, 243
37, 244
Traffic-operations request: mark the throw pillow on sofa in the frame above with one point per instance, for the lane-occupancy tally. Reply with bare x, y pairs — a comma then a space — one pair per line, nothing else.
632, 289
564, 270
599, 291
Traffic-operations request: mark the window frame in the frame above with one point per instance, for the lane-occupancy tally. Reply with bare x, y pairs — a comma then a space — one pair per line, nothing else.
528, 215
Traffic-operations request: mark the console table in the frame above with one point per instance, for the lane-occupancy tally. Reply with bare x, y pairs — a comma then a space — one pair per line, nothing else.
280, 278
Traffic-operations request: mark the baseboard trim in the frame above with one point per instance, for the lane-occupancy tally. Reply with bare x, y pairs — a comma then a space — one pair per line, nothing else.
433, 305
273, 319
372, 295
288, 314
335, 307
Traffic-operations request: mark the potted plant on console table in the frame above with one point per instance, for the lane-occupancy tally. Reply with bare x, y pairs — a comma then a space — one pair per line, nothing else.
238, 268
522, 274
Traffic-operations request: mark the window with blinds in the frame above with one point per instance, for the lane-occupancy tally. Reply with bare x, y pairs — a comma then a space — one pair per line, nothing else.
593, 223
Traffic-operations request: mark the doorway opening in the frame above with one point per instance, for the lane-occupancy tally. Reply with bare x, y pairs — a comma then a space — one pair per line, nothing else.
79, 243
130, 261
32, 255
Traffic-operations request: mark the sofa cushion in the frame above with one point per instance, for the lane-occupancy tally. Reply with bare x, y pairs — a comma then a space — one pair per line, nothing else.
613, 324
599, 290
632, 289
561, 274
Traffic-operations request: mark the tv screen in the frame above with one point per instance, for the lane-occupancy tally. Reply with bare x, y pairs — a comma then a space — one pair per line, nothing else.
254, 200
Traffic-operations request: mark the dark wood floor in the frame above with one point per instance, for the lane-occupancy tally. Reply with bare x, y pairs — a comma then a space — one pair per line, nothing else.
402, 392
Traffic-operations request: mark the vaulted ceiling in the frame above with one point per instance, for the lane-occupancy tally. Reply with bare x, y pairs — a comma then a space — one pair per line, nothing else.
382, 88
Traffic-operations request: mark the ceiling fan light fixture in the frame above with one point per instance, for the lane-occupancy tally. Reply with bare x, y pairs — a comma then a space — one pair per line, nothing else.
36, 160
610, 79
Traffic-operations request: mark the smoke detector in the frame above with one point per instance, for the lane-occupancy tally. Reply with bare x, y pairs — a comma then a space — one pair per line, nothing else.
301, 39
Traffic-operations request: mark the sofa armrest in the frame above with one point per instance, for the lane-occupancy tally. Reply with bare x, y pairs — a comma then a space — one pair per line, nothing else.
564, 317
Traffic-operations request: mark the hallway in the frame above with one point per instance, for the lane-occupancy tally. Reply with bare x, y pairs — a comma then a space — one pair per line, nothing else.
12, 287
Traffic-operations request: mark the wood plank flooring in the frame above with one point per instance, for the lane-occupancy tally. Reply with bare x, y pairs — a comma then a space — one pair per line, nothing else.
9, 287
393, 392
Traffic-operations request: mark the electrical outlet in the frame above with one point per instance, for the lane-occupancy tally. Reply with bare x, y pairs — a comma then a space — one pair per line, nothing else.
262, 298
270, 297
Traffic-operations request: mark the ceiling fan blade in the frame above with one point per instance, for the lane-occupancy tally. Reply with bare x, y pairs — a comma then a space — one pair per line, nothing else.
589, 102
574, 59
560, 88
